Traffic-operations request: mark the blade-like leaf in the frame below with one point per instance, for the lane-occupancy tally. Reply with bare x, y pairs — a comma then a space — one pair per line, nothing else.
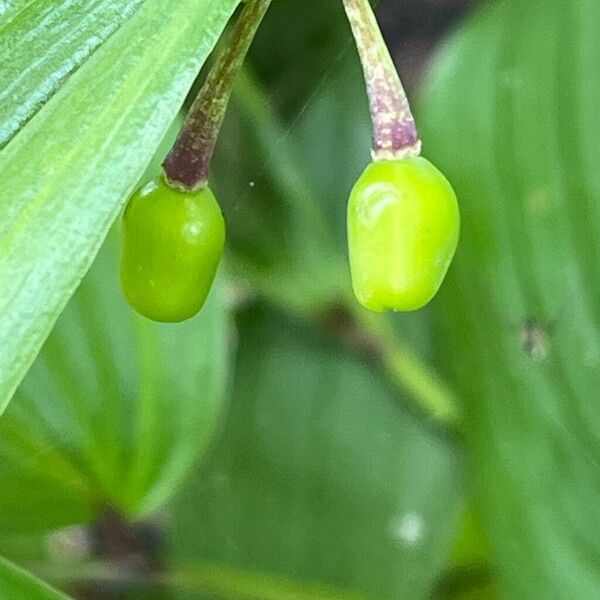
65, 176
42, 44
511, 116
114, 410
319, 477
10, 9
16, 584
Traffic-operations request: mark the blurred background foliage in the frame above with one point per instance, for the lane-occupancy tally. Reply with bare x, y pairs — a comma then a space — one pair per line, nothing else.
284, 445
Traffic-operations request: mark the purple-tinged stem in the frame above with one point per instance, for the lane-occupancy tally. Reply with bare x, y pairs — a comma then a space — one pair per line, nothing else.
394, 131
187, 164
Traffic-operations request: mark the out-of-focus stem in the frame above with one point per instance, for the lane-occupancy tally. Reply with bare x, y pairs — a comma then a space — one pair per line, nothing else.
394, 131
187, 164
428, 392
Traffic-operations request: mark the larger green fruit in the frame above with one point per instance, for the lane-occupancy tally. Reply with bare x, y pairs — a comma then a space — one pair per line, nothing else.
403, 228
173, 242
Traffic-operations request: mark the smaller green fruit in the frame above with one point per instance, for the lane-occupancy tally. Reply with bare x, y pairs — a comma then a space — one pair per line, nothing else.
172, 245
403, 229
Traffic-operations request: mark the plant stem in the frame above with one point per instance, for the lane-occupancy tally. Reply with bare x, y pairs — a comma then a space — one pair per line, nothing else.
430, 394
187, 165
394, 132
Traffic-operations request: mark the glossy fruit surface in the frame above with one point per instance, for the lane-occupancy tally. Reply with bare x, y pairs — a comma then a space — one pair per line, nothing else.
172, 244
403, 228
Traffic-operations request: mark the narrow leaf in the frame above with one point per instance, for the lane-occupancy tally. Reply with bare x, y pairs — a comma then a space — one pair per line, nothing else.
42, 44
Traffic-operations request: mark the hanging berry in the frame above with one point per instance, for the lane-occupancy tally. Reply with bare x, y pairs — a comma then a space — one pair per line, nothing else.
174, 231
403, 219
173, 242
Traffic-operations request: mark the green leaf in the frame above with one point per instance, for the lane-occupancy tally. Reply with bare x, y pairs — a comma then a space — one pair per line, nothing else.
66, 174
511, 116
319, 478
16, 584
114, 411
42, 43
10, 10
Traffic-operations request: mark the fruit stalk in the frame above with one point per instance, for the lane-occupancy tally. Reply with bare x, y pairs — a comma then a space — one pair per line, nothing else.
187, 165
394, 132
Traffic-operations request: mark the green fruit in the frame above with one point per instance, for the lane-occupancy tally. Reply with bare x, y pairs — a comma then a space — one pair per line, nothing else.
173, 242
403, 228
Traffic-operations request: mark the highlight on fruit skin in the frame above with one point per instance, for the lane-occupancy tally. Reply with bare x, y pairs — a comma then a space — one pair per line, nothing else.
172, 245
403, 229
